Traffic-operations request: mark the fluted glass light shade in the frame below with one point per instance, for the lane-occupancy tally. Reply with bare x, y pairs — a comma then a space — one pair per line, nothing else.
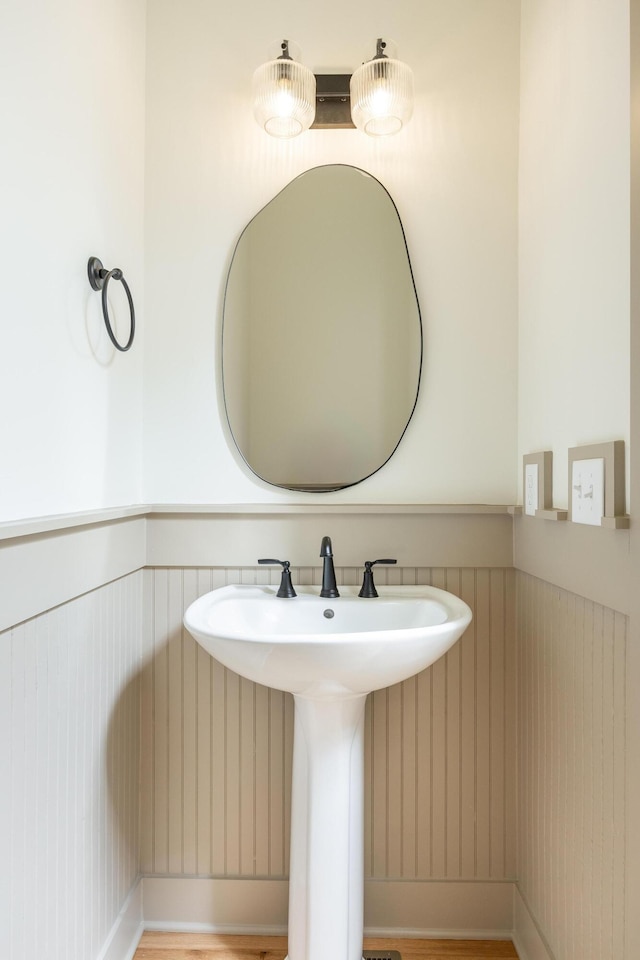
381, 95
284, 96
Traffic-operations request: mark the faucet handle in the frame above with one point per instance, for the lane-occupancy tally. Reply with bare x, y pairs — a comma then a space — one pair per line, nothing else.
326, 550
286, 587
368, 589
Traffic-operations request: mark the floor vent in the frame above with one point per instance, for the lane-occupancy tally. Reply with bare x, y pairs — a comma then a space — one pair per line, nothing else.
381, 955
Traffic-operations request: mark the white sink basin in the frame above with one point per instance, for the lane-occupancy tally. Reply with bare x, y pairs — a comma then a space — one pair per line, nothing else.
316, 647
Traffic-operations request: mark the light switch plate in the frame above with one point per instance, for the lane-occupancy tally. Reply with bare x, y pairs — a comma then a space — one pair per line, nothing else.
587, 491
531, 489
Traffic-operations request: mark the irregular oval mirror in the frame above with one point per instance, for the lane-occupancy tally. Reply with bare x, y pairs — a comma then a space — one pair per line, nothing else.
321, 334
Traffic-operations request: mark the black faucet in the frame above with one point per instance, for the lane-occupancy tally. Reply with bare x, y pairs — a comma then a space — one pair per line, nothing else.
368, 589
329, 586
285, 589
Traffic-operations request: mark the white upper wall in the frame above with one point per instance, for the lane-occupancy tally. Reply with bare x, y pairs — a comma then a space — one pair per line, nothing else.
452, 174
574, 228
71, 183
72, 114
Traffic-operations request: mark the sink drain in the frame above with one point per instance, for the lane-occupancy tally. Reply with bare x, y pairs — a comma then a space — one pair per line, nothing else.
328, 614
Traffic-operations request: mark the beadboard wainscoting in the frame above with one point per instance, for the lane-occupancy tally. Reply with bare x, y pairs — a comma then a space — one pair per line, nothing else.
70, 706
113, 713
572, 656
439, 754
130, 751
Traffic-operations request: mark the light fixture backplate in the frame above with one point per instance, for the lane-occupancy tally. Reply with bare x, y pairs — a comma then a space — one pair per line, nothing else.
333, 102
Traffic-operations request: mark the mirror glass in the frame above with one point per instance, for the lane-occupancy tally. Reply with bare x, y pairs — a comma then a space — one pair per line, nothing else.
321, 333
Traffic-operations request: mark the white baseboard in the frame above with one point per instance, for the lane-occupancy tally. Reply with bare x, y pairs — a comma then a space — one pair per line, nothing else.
447, 910
125, 934
526, 937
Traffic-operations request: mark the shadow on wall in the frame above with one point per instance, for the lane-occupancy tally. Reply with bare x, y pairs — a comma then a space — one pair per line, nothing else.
123, 776
215, 766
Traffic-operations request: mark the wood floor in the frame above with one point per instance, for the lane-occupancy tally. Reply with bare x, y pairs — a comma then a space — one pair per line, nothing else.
207, 946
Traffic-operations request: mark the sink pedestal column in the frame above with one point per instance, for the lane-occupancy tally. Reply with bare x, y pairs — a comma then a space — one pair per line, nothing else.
326, 875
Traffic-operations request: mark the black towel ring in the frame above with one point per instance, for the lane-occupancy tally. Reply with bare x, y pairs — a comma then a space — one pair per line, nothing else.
99, 280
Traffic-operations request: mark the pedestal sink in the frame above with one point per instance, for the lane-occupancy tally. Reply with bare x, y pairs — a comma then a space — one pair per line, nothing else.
329, 654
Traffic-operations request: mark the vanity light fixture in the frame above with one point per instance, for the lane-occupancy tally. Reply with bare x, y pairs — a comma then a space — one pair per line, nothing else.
288, 99
284, 95
381, 94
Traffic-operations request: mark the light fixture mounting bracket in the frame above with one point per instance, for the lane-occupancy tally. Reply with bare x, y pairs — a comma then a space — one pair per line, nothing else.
333, 102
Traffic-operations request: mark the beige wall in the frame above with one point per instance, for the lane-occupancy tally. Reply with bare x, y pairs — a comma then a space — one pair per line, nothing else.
572, 661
